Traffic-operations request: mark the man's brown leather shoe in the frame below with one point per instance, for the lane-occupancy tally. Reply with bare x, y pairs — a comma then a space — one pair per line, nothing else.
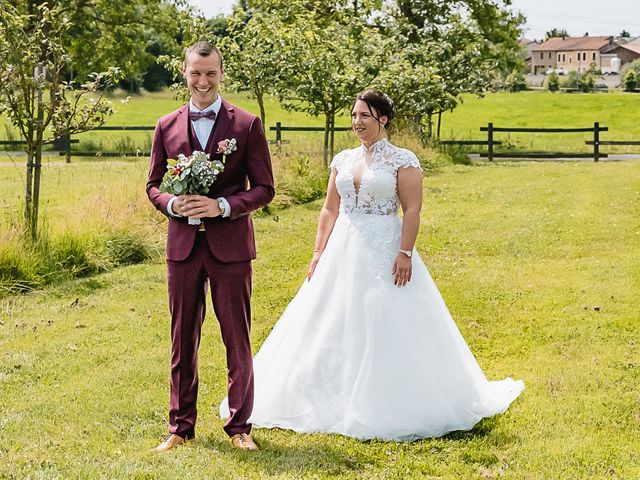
168, 443
243, 442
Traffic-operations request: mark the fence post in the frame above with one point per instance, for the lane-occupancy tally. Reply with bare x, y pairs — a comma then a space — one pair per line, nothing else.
596, 141
278, 132
490, 141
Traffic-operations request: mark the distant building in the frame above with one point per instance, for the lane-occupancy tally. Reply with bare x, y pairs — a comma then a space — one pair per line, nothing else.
564, 55
618, 55
527, 47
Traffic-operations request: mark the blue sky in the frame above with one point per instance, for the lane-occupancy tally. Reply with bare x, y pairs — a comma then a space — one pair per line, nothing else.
578, 17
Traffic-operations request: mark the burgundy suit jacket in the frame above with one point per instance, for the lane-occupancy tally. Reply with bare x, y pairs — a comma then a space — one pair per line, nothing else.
246, 182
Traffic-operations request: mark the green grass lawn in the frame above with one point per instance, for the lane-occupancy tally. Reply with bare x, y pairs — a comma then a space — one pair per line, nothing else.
538, 264
618, 111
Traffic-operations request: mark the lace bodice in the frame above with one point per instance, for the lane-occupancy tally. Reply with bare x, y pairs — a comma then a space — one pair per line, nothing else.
378, 192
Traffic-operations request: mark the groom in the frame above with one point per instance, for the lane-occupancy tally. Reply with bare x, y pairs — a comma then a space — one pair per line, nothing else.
216, 254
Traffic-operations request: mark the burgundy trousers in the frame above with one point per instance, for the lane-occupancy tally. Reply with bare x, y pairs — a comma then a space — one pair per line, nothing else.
230, 285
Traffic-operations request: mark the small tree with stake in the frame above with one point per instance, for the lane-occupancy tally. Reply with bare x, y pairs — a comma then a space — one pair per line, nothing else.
33, 93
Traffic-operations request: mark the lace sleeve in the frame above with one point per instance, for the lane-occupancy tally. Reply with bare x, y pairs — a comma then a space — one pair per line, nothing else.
337, 161
407, 159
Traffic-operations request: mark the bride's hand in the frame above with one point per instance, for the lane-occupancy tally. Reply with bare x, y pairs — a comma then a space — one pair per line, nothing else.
401, 270
313, 264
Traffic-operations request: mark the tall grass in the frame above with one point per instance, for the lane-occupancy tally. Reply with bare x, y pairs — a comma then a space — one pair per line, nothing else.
26, 265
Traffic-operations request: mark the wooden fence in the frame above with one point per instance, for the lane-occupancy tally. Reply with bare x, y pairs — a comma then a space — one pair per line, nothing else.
490, 142
63, 144
279, 129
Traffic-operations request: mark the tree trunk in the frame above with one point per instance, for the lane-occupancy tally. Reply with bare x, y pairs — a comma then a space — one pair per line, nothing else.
37, 163
263, 115
333, 126
416, 125
429, 133
439, 123
327, 127
28, 188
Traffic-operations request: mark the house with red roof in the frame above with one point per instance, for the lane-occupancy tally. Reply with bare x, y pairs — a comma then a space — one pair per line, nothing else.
564, 55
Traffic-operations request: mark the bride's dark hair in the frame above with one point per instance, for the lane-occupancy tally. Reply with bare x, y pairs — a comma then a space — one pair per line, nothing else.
379, 101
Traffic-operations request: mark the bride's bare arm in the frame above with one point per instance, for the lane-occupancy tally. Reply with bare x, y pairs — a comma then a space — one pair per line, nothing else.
327, 220
410, 193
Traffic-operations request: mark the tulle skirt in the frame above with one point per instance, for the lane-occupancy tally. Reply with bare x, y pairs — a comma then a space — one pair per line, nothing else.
356, 355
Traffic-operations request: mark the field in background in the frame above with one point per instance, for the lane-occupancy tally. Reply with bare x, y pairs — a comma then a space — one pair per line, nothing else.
538, 264
146, 109
618, 111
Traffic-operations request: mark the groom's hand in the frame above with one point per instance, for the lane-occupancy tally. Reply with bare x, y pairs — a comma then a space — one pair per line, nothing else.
196, 206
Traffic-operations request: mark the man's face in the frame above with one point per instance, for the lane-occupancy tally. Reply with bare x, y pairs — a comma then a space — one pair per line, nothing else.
203, 75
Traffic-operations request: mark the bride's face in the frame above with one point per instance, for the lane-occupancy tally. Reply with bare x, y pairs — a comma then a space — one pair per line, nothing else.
365, 124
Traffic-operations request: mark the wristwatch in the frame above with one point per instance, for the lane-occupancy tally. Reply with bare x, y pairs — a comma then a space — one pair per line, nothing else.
408, 253
221, 207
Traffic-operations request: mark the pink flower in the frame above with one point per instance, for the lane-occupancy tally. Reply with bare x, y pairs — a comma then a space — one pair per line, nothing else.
222, 146
226, 147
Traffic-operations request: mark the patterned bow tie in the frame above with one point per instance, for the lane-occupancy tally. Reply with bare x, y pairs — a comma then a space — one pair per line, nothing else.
195, 116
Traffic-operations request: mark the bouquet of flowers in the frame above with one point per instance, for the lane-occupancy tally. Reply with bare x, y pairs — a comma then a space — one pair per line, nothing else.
192, 175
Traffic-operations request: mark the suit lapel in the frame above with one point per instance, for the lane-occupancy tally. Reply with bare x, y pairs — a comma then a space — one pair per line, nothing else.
223, 122
182, 124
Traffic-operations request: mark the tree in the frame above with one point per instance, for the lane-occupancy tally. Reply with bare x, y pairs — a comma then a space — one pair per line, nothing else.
553, 82
556, 32
587, 82
515, 81
218, 26
572, 81
329, 54
445, 49
34, 42
253, 57
630, 81
625, 34
630, 67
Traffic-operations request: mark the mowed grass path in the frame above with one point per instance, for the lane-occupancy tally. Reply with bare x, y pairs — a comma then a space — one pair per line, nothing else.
539, 264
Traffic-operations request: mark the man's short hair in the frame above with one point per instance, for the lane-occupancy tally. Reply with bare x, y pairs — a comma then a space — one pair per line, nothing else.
204, 49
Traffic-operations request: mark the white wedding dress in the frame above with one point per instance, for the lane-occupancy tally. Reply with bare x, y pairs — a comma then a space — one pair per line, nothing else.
356, 355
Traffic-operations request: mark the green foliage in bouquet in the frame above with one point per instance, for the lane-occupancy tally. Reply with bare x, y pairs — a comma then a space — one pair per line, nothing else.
190, 175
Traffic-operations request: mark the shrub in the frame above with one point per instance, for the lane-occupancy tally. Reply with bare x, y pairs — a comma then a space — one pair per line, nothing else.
126, 248
515, 81
553, 82
631, 67
457, 154
300, 181
70, 254
18, 269
630, 81
572, 81
587, 83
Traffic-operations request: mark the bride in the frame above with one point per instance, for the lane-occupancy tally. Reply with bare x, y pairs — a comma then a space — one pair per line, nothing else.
367, 347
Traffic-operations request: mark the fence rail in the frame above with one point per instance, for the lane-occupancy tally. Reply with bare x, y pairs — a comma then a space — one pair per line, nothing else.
64, 143
279, 128
614, 142
491, 142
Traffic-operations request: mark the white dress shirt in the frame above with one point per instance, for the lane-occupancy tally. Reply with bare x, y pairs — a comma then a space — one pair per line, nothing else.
202, 128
